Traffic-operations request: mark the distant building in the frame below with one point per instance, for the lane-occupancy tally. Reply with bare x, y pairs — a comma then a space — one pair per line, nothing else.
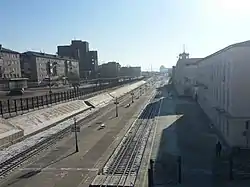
185, 73
130, 71
163, 69
39, 67
109, 70
9, 63
93, 63
88, 60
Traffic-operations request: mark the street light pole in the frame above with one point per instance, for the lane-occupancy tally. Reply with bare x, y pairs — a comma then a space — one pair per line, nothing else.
50, 68
77, 150
116, 107
50, 91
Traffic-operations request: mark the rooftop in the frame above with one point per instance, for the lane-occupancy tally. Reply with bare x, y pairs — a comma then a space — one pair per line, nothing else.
46, 55
240, 44
4, 50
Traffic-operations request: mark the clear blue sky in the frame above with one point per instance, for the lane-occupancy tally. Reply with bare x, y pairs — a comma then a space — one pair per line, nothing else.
132, 32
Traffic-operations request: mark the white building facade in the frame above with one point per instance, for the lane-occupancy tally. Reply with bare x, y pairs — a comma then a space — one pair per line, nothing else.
185, 75
224, 90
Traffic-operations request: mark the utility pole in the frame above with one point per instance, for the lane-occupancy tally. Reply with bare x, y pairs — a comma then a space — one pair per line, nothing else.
75, 129
247, 133
49, 73
116, 107
132, 94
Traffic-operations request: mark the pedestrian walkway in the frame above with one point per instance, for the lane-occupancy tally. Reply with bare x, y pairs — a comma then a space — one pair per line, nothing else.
183, 130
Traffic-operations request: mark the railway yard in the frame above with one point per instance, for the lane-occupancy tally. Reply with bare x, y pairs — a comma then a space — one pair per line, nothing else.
113, 151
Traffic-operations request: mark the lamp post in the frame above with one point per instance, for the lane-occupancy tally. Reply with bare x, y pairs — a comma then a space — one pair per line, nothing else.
49, 73
116, 107
132, 94
76, 129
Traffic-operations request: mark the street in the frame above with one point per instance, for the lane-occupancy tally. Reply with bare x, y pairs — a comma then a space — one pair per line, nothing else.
61, 166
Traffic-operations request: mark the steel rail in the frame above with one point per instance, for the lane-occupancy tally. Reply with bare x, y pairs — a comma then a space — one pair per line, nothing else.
15, 161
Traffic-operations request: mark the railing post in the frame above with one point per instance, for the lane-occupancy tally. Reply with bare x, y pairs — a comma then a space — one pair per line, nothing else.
61, 96
27, 103
8, 101
179, 169
50, 95
21, 101
231, 168
37, 101
46, 97
32, 102
149, 178
15, 106
1, 108
42, 102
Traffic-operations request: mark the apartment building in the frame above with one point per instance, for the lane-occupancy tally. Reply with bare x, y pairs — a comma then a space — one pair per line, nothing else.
9, 63
224, 89
109, 70
88, 60
39, 67
130, 71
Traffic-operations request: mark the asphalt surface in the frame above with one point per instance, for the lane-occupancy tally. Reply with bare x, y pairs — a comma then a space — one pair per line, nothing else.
61, 166
183, 130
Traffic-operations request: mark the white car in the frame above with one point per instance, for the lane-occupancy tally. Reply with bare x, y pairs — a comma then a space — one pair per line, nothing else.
102, 126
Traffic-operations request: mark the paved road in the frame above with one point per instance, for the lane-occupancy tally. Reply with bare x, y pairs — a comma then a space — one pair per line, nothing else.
62, 167
183, 130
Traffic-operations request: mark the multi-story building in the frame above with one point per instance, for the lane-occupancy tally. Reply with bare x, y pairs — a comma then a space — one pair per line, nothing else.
9, 63
224, 89
109, 70
39, 67
88, 60
130, 71
184, 76
93, 63
163, 69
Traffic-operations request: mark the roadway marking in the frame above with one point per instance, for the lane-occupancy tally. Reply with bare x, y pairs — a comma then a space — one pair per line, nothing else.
61, 169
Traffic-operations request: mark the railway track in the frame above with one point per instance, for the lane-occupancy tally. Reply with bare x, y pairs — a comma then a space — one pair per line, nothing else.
16, 161
123, 166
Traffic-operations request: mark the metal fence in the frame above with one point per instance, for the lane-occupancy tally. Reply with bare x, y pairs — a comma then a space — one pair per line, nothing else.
13, 107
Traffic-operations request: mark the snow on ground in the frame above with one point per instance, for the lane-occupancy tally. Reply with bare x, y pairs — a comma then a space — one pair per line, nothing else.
9, 152
37, 120
17, 148
5, 126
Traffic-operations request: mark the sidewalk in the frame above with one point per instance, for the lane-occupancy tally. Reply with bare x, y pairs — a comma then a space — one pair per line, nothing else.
183, 130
